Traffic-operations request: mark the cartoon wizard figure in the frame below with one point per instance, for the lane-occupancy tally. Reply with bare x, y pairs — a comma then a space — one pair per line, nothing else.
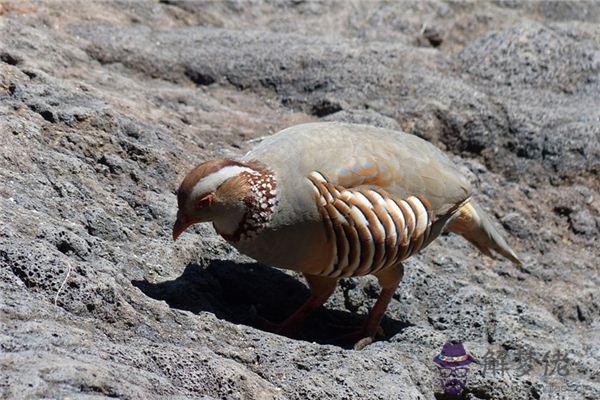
453, 363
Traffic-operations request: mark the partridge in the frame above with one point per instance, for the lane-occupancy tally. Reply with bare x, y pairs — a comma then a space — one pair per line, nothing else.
334, 200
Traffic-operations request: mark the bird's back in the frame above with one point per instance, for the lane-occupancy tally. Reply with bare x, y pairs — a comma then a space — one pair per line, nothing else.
358, 156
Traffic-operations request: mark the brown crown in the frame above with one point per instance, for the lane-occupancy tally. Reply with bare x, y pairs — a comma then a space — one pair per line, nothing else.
199, 172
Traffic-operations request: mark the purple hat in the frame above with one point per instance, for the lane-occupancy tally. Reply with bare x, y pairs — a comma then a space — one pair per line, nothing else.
453, 355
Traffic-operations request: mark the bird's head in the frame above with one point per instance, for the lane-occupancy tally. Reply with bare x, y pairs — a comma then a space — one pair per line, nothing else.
215, 191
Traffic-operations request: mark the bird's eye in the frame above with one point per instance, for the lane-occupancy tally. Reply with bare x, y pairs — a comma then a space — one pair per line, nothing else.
205, 201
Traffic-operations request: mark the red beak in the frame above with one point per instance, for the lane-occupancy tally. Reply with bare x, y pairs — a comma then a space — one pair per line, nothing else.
181, 225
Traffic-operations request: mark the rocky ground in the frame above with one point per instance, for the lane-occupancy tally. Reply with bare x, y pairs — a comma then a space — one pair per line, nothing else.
105, 105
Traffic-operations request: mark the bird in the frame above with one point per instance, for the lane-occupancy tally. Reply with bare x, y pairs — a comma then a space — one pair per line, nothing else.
333, 200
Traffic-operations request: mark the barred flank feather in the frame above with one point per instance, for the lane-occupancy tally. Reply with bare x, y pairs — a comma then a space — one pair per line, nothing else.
368, 229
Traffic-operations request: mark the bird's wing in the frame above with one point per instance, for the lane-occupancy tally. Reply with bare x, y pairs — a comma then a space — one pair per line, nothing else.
370, 229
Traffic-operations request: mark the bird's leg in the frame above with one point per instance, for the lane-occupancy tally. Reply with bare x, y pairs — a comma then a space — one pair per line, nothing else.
389, 280
321, 289
371, 326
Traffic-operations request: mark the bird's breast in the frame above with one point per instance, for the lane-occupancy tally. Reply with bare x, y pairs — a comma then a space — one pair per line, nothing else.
295, 237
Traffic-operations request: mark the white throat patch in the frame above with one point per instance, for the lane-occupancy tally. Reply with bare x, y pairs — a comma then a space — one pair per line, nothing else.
210, 183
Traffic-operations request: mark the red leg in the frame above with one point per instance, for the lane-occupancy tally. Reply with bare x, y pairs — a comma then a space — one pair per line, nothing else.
389, 281
371, 325
378, 311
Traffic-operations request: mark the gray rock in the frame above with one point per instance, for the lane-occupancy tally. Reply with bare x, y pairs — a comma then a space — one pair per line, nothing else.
517, 225
583, 223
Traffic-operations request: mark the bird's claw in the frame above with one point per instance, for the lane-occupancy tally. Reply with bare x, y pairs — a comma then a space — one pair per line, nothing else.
362, 343
359, 338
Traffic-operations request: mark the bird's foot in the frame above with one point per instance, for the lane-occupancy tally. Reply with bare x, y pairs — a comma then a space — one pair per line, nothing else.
359, 338
362, 343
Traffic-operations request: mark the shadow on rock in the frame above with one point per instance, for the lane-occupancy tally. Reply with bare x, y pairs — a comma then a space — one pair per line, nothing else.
240, 293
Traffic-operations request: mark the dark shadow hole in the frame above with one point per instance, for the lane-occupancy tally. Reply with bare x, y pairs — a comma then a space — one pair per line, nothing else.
9, 58
324, 108
239, 293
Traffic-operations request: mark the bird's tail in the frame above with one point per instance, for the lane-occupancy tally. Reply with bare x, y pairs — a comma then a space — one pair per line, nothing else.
473, 224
